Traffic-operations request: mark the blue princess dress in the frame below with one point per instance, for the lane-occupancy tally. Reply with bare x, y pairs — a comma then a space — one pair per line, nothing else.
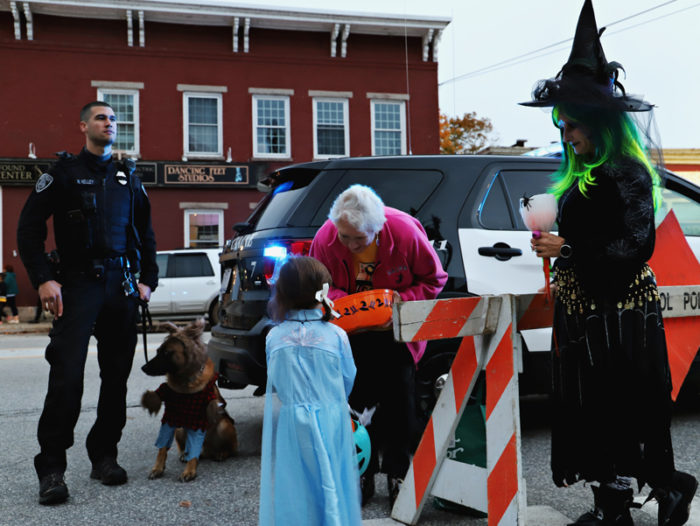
309, 474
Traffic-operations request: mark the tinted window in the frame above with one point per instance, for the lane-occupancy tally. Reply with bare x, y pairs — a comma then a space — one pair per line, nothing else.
278, 208
520, 183
401, 189
500, 208
493, 211
687, 211
190, 265
162, 260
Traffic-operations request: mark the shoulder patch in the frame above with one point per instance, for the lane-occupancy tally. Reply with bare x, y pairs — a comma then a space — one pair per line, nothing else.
43, 182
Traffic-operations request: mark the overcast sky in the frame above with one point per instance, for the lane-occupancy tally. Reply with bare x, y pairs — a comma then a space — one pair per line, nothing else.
660, 51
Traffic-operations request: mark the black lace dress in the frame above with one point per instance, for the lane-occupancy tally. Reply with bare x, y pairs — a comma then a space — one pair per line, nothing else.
610, 373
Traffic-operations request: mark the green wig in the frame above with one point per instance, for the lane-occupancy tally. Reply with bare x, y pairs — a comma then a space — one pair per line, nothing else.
614, 134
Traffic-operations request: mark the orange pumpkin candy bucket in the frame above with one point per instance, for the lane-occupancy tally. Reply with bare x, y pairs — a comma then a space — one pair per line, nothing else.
363, 310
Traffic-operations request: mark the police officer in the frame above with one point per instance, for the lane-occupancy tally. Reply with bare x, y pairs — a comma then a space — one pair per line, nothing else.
104, 239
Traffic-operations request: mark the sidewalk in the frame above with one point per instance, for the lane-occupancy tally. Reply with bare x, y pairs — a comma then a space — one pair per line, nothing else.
42, 327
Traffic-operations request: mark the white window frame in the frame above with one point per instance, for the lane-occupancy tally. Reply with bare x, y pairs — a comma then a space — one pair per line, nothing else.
186, 96
346, 126
402, 114
101, 92
287, 154
192, 211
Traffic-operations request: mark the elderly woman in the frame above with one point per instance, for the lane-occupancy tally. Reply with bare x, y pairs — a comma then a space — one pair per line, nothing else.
611, 380
367, 245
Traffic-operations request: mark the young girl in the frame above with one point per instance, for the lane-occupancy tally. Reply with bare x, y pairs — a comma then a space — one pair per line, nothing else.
309, 471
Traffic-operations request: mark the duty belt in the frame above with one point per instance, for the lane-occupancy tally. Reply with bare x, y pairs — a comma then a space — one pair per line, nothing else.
111, 263
116, 263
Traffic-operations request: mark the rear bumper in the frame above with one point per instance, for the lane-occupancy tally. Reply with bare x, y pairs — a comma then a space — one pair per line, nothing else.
238, 357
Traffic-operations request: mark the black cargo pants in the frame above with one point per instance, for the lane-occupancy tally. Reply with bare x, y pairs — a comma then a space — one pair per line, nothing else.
385, 377
90, 305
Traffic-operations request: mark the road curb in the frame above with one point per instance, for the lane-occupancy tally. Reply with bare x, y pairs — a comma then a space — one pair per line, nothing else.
45, 327
536, 516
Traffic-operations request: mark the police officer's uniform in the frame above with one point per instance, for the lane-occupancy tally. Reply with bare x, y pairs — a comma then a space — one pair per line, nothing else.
102, 228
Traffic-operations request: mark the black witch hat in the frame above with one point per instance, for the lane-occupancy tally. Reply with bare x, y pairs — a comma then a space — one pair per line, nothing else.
587, 78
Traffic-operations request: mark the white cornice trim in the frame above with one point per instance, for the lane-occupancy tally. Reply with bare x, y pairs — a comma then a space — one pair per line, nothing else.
202, 88
16, 20
29, 20
116, 84
129, 28
222, 13
142, 28
344, 41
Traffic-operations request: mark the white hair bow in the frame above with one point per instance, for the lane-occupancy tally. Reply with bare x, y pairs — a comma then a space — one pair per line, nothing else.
322, 297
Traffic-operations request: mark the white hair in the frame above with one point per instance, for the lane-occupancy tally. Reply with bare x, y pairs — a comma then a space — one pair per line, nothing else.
360, 206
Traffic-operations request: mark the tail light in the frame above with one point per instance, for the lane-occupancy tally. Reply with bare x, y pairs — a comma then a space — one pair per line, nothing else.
275, 253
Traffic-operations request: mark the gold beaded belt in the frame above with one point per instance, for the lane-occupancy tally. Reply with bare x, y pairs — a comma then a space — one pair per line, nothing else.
570, 292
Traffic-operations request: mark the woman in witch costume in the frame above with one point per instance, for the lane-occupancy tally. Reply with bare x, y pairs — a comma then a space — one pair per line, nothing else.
611, 379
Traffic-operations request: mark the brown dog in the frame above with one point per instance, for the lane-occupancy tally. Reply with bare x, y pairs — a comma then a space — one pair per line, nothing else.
192, 401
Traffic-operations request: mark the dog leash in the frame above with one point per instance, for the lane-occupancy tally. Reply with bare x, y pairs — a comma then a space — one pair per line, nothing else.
146, 324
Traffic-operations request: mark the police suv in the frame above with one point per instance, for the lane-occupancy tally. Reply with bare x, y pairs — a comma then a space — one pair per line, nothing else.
468, 205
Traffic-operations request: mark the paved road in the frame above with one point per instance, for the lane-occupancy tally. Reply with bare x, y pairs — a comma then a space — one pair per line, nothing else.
224, 493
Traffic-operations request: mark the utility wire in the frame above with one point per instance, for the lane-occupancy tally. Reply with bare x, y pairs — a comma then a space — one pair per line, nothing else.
554, 48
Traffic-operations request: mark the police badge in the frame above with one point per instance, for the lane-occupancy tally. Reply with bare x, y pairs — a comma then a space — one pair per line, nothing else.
121, 178
43, 182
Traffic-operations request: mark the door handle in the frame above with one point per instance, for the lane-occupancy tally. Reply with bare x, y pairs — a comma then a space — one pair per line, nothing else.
501, 251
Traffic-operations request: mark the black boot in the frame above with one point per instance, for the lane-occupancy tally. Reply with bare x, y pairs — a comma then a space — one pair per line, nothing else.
612, 508
367, 487
52, 489
394, 485
674, 502
109, 472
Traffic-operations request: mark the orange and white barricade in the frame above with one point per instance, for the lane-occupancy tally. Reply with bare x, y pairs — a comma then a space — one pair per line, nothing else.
497, 489
488, 326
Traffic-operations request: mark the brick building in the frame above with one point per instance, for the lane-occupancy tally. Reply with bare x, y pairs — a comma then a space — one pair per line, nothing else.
210, 96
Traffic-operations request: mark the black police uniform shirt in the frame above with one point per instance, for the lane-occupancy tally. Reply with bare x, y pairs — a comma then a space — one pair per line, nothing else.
90, 201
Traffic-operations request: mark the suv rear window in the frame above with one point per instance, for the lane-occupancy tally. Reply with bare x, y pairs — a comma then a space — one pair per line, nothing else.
289, 188
405, 190
192, 265
279, 206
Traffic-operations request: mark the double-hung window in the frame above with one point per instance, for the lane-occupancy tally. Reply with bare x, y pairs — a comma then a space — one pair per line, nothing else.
204, 228
331, 129
388, 127
202, 121
125, 103
271, 131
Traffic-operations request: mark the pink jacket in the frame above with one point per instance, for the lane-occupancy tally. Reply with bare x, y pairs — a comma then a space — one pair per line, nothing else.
406, 262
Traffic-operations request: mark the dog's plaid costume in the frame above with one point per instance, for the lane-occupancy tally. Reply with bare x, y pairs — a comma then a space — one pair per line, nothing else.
187, 410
